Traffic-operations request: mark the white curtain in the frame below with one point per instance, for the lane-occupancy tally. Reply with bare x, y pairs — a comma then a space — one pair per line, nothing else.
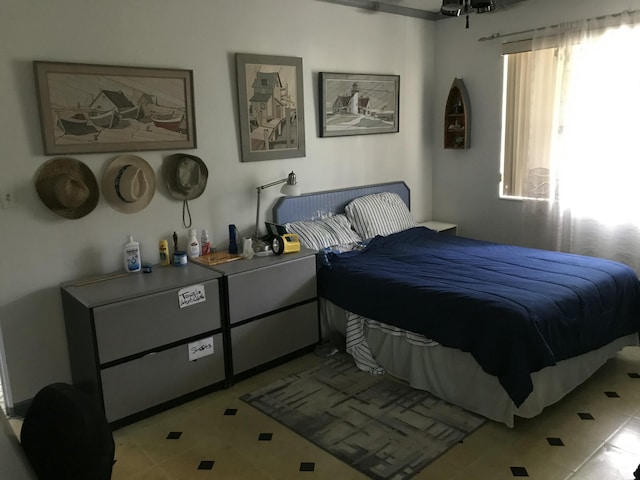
592, 148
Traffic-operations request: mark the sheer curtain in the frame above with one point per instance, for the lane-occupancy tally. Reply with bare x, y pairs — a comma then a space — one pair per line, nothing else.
589, 138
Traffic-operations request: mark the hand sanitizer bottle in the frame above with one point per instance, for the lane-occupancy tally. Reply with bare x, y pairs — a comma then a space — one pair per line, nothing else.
132, 260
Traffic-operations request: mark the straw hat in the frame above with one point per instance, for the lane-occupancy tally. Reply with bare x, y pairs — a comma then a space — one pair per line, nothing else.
185, 176
128, 183
67, 187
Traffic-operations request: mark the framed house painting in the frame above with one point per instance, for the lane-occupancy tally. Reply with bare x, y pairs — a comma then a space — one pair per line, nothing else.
271, 106
87, 108
357, 104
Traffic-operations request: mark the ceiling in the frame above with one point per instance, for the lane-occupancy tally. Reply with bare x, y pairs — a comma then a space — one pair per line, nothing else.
427, 9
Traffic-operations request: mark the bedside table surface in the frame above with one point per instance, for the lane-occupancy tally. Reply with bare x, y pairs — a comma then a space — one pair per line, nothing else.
246, 265
437, 226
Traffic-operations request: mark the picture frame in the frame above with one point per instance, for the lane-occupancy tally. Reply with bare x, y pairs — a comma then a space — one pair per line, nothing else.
270, 106
358, 104
90, 108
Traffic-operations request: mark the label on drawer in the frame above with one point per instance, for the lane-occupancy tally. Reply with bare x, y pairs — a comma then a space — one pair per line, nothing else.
200, 348
191, 295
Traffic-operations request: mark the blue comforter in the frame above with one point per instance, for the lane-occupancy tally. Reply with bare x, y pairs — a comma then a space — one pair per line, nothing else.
516, 310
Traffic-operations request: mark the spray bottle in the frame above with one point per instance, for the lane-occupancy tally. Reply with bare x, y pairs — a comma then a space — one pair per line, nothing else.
205, 244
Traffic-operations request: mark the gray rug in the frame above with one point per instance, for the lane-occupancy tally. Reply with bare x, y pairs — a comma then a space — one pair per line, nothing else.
377, 425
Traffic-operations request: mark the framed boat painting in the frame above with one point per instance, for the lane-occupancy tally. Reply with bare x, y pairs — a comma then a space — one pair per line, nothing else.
357, 104
271, 106
87, 108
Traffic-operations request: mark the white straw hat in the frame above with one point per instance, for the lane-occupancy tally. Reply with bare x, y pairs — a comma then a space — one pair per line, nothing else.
128, 183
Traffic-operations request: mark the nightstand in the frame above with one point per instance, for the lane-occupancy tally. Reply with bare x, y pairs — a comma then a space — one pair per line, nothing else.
143, 342
442, 227
271, 310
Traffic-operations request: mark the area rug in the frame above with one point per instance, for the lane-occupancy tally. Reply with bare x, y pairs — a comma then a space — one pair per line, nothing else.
374, 423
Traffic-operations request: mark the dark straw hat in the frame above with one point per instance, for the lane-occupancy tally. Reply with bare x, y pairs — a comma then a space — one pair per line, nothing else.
67, 187
185, 176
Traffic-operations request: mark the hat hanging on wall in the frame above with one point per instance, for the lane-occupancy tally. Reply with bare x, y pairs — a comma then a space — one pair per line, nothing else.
186, 178
67, 187
128, 183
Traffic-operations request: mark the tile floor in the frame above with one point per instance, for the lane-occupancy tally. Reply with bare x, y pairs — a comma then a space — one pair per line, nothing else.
592, 434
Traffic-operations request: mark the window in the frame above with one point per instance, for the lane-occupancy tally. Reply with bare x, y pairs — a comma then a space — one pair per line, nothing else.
570, 119
529, 83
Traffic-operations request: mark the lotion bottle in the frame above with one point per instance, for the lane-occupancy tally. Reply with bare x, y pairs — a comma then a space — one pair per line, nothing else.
132, 260
164, 252
193, 247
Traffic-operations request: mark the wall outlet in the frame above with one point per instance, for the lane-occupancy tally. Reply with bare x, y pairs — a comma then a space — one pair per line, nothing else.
7, 200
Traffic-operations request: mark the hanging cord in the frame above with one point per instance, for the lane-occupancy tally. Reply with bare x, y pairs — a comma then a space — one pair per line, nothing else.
186, 212
466, 10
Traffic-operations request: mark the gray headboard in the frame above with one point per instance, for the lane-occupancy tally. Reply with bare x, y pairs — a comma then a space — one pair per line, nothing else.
318, 205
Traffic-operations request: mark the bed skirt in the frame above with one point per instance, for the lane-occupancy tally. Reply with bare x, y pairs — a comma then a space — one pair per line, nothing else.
455, 376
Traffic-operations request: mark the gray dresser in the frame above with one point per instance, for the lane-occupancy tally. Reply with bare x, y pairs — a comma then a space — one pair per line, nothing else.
142, 342
272, 310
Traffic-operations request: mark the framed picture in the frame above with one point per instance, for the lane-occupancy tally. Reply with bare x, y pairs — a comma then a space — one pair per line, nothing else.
88, 108
271, 107
357, 104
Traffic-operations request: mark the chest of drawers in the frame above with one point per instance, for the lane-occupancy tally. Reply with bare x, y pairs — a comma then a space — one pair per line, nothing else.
143, 342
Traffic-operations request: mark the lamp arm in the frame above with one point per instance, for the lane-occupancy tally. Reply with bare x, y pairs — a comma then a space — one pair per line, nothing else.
272, 184
290, 179
259, 189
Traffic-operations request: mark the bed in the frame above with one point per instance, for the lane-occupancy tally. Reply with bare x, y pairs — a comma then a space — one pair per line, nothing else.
500, 330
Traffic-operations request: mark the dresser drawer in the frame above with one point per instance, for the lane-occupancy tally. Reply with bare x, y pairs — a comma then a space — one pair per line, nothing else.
143, 383
263, 290
144, 323
269, 338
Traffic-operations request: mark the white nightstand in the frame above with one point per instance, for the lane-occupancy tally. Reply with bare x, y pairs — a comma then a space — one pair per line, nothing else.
442, 227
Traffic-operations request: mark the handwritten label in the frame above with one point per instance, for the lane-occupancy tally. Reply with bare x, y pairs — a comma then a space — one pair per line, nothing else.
191, 295
200, 348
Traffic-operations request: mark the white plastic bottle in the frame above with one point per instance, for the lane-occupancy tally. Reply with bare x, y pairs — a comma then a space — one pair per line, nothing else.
132, 260
193, 246
205, 244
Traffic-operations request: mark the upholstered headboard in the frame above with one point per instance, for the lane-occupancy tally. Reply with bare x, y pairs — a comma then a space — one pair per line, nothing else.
318, 205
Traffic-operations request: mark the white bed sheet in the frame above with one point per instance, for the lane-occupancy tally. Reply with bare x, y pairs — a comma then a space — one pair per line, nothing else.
452, 374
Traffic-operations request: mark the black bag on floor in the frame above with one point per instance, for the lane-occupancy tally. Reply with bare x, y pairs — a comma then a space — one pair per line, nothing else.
65, 436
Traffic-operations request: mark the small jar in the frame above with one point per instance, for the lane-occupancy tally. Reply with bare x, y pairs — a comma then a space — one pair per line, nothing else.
180, 258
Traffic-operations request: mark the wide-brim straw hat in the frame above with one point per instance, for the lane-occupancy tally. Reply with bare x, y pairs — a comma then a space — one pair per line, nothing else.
67, 187
128, 183
185, 176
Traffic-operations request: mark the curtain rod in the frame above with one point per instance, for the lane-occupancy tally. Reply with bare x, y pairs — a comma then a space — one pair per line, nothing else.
540, 29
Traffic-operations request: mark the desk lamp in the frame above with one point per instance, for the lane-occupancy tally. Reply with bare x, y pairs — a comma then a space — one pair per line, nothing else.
290, 188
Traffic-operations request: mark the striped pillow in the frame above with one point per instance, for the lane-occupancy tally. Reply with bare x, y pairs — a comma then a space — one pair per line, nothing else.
379, 214
330, 231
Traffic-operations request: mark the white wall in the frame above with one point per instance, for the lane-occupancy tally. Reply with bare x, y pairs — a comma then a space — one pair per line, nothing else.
39, 249
465, 183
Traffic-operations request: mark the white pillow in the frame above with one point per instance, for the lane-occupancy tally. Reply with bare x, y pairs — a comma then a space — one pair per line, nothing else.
379, 214
330, 231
